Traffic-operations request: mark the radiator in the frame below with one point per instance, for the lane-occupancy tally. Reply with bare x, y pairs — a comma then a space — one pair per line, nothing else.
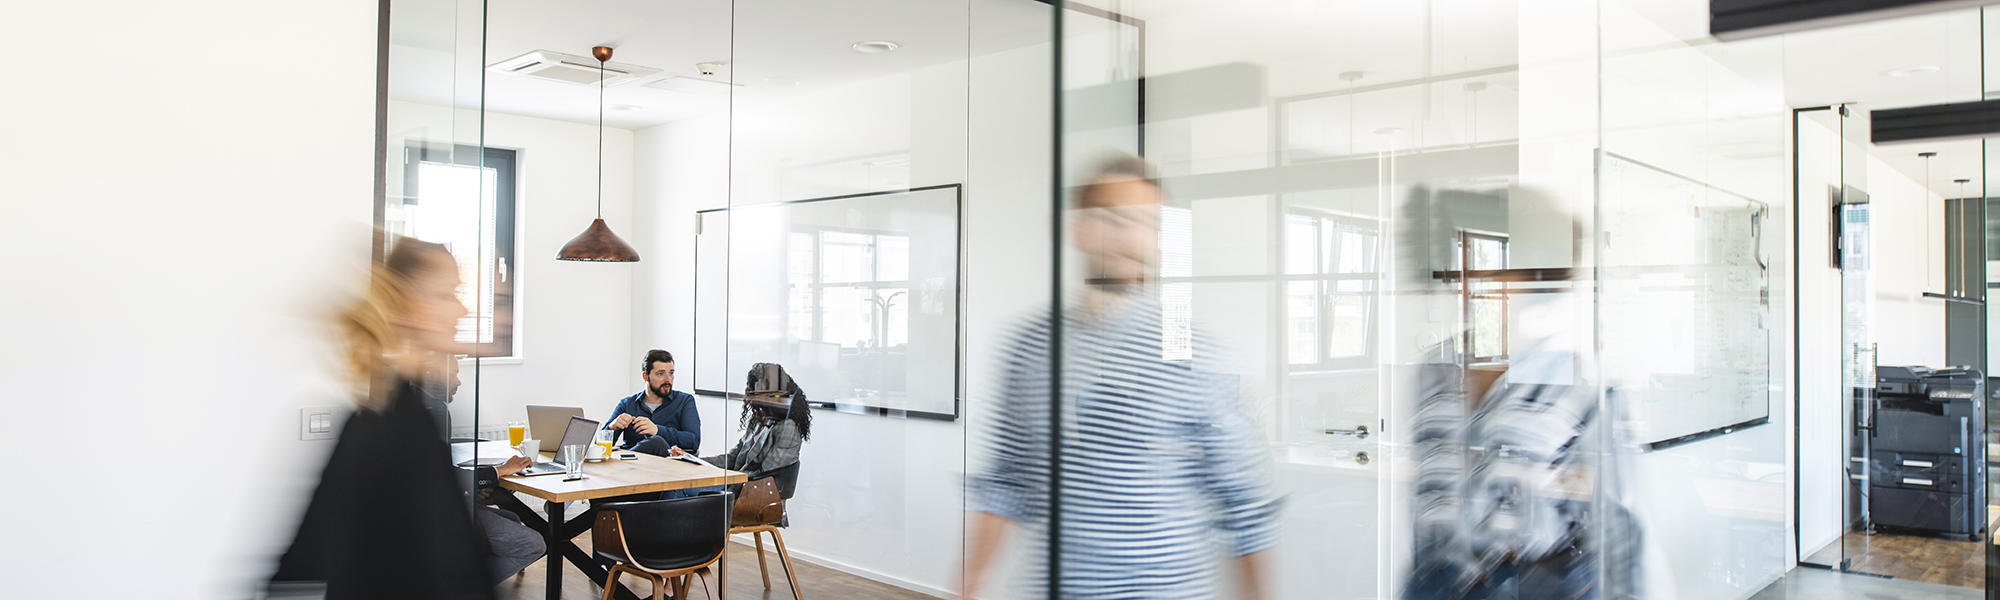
484, 432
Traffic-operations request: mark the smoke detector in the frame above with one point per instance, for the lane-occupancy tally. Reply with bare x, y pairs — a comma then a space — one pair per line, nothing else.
569, 68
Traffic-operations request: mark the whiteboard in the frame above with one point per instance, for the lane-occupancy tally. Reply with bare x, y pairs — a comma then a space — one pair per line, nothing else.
1685, 304
857, 296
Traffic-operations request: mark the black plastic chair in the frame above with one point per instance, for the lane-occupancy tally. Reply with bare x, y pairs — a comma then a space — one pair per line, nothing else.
665, 541
788, 479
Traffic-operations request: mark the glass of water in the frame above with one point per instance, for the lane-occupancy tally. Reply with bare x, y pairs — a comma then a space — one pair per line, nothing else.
572, 459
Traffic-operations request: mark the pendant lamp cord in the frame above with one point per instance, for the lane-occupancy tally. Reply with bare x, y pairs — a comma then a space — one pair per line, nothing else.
600, 138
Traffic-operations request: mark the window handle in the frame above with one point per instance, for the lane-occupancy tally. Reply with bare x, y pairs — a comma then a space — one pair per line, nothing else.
503, 269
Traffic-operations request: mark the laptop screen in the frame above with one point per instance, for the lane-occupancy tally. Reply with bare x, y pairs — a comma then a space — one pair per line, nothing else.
580, 432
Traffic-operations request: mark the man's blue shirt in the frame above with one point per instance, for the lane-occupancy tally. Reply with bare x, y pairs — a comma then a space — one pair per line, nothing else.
680, 424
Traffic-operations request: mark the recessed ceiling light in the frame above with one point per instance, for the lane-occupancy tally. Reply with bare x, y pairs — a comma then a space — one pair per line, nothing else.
1914, 71
626, 107
781, 81
876, 46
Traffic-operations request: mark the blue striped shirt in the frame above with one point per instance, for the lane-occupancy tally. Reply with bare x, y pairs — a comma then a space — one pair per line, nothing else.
1161, 476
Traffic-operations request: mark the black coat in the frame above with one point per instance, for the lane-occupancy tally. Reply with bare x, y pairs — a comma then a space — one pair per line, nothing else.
390, 518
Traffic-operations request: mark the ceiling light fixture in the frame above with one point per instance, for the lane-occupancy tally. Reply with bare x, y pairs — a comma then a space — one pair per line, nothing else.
1914, 71
876, 46
597, 243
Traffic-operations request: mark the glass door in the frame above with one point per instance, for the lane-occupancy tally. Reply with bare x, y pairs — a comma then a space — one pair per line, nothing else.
1836, 356
1855, 251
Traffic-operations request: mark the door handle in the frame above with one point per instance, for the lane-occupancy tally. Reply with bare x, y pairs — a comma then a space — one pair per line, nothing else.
1917, 463
1914, 481
1359, 432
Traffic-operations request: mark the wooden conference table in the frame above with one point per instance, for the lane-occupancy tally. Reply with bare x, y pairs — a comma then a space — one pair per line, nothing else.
605, 479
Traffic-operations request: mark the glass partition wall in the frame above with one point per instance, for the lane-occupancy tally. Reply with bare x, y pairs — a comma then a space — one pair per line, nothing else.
1173, 299
1429, 300
848, 251
440, 183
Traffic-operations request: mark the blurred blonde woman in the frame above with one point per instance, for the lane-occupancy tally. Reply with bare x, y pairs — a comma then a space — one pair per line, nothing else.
389, 518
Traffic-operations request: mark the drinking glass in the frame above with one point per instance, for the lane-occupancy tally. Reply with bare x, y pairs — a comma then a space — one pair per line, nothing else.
607, 438
572, 460
516, 431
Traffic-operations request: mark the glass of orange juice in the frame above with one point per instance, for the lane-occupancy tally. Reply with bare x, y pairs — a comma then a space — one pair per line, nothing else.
516, 431
606, 438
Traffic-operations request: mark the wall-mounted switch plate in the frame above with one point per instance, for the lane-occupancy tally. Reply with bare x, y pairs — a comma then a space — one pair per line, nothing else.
318, 422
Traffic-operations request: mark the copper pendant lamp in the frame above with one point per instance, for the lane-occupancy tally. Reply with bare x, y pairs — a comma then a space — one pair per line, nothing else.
597, 243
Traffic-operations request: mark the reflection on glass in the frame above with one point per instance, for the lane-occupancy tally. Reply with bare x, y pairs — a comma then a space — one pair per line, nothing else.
857, 296
1302, 316
1395, 212
1330, 315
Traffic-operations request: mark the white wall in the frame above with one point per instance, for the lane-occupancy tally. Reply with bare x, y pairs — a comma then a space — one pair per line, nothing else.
1906, 219
574, 319
175, 232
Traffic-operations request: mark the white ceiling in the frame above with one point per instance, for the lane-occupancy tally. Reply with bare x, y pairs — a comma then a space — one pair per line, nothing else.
1305, 44
1851, 65
803, 41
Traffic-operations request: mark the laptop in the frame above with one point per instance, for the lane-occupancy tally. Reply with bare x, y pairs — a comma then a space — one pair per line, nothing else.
547, 422
579, 432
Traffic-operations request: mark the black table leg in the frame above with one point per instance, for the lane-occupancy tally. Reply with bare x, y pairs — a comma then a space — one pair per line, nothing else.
555, 540
557, 533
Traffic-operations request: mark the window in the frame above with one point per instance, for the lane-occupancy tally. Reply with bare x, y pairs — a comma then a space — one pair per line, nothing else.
1331, 266
1486, 333
463, 198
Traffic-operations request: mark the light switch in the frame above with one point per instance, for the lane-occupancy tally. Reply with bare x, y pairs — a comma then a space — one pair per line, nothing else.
316, 423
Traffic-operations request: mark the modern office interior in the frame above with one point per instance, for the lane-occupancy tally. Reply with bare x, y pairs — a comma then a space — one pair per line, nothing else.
1342, 299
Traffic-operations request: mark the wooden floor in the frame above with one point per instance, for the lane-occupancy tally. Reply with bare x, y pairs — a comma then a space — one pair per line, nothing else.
1913, 557
817, 582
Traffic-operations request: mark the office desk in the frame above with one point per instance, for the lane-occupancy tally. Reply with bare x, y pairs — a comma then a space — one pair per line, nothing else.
605, 479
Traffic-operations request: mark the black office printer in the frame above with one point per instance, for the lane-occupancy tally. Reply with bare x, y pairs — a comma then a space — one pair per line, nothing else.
1928, 469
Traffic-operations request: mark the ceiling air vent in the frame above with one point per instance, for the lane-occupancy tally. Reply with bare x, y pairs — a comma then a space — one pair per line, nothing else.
570, 69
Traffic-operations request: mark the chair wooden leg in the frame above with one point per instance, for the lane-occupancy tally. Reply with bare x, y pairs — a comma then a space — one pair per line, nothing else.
761, 567
681, 588
659, 587
611, 581
785, 559
709, 585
